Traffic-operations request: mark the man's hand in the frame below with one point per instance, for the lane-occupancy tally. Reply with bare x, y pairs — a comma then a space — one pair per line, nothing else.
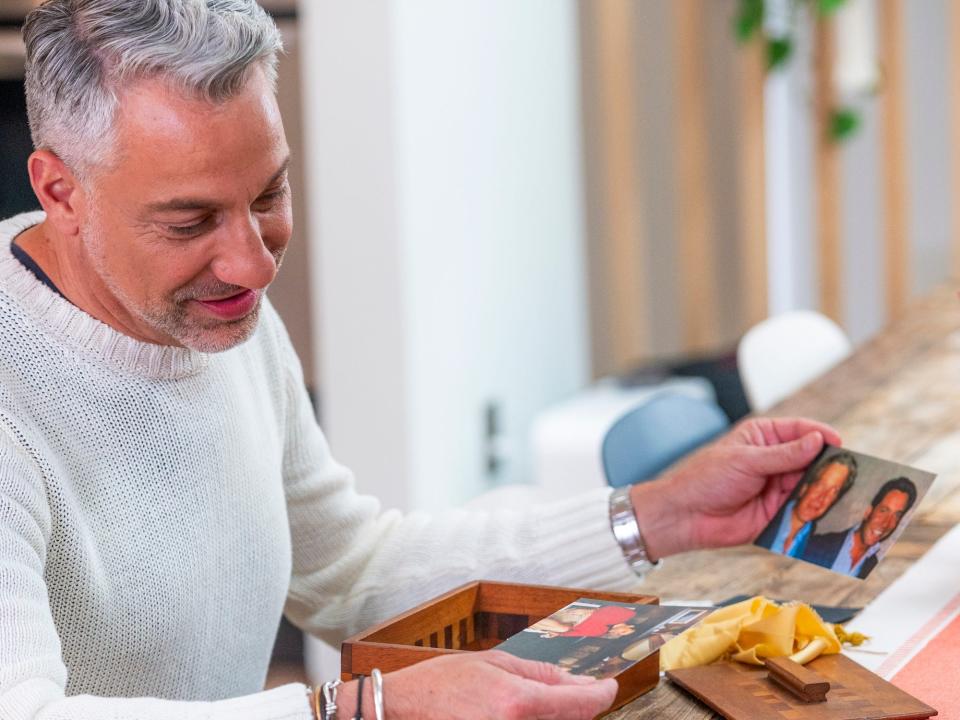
727, 492
488, 685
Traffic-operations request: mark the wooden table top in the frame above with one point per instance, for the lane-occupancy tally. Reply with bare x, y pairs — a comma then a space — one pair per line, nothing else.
897, 397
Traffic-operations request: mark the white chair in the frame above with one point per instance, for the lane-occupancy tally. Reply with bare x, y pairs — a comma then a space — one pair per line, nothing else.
785, 352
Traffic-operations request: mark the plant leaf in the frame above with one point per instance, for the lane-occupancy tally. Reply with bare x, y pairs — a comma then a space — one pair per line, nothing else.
779, 51
749, 19
825, 7
844, 122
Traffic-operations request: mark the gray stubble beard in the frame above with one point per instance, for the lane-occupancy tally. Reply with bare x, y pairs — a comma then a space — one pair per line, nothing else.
172, 317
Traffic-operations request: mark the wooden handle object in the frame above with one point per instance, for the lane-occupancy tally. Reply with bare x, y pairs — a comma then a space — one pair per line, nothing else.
803, 682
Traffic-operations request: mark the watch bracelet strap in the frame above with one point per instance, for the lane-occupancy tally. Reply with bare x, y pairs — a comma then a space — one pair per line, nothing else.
626, 531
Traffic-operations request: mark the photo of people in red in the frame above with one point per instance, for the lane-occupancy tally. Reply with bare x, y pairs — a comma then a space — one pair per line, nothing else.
607, 621
598, 638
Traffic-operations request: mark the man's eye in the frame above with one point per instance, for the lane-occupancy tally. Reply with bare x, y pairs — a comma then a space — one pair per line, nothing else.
269, 200
189, 230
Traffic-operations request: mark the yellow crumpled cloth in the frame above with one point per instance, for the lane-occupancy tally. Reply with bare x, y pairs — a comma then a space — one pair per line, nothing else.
748, 631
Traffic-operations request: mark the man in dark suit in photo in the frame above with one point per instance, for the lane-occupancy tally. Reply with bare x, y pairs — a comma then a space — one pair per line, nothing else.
854, 551
825, 485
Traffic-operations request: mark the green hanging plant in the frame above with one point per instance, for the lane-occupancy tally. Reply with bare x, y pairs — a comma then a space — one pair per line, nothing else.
844, 122
748, 26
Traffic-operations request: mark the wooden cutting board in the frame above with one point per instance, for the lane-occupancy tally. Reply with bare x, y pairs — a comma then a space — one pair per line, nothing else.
744, 692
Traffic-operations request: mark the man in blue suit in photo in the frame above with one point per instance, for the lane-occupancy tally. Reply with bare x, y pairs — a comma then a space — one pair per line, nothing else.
854, 551
829, 481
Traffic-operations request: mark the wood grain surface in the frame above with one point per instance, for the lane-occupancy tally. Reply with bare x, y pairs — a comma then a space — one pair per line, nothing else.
744, 692
897, 397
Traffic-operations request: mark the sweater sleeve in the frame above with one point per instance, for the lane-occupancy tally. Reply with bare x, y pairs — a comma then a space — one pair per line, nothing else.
32, 674
355, 565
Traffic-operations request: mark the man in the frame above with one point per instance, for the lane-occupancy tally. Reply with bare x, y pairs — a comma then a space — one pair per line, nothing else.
165, 492
854, 551
797, 520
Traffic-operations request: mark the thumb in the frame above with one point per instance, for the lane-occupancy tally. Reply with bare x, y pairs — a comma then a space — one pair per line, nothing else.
786, 457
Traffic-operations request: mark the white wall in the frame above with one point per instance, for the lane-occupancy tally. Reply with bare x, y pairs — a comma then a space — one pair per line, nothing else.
447, 235
791, 259
349, 135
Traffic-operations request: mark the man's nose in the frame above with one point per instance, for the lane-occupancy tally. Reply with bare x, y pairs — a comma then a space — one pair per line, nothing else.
242, 257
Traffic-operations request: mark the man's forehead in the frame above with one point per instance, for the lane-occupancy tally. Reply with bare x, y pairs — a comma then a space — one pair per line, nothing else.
894, 497
180, 137
834, 470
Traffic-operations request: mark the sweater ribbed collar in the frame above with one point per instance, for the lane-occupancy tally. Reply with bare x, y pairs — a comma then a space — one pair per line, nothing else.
73, 327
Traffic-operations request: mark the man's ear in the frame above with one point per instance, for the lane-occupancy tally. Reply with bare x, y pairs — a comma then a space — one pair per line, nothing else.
57, 189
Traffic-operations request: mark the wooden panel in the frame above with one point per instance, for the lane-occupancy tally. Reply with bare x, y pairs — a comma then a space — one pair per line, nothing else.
827, 178
743, 692
500, 626
538, 601
893, 144
752, 174
360, 658
953, 73
624, 247
424, 620
695, 226
636, 680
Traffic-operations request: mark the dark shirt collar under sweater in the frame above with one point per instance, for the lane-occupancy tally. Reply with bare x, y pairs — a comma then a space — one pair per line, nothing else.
30, 264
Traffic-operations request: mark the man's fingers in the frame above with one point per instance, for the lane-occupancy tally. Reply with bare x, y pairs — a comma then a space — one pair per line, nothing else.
570, 702
789, 429
786, 457
829, 434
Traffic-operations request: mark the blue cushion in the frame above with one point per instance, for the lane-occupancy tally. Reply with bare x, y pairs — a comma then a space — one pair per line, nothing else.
650, 438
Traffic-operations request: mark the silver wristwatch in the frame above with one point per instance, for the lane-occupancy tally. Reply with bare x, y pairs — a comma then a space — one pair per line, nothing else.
623, 523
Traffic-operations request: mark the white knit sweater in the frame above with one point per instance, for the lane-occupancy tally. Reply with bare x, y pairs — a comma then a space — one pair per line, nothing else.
160, 508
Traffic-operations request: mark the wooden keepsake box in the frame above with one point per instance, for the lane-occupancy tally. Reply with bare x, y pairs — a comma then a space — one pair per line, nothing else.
479, 616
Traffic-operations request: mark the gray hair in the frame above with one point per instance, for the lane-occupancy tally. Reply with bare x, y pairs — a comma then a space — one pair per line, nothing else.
80, 53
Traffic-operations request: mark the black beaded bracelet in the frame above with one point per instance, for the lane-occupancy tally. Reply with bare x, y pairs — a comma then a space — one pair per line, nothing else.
359, 715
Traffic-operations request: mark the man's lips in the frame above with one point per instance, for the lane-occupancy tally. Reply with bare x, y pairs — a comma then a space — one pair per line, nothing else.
233, 307
875, 535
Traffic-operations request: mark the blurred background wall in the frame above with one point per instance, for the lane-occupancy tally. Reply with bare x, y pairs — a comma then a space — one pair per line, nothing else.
448, 199
499, 202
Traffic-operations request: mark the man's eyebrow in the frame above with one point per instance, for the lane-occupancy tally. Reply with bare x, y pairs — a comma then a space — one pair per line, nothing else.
197, 203
284, 167
181, 204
